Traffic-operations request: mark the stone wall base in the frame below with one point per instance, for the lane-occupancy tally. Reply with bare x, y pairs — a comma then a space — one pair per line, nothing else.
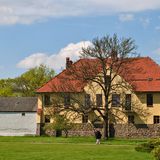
117, 130
137, 130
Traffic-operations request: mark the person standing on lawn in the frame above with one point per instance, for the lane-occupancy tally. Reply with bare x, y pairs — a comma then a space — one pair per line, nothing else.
98, 136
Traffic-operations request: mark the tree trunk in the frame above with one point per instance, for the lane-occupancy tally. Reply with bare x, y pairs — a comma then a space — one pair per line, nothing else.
105, 127
106, 118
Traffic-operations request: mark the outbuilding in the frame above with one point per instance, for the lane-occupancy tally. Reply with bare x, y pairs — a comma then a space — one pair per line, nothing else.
18, 116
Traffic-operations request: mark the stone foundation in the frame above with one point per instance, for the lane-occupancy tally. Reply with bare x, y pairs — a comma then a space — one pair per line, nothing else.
118, 130
137, 130
82, 130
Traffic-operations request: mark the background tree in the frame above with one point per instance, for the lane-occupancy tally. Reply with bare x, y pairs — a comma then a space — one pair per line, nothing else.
6, 87
27, 83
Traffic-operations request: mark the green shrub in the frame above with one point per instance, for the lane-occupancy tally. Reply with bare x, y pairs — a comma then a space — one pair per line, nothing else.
156, 152
148, 147
60, 123
145, 147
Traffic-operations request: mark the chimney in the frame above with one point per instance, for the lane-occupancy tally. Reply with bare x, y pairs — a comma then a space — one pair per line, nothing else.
68, 62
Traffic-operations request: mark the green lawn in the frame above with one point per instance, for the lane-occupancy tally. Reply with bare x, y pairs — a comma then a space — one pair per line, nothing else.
49, 148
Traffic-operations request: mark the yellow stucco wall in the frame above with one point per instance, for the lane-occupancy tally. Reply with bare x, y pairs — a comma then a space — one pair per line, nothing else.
57, 99
154, 110
142, 113
38, 116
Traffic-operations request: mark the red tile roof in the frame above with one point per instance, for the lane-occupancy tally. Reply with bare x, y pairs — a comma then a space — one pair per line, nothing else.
63, 82
143, 75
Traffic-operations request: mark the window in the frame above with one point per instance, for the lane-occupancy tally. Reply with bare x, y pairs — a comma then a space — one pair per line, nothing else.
84, 118
108, 79
128, 102
47, 119
99, 100
156, 119
47, 99
23, 113
131, 119
149, 100
115, 100
67, 100
87, 100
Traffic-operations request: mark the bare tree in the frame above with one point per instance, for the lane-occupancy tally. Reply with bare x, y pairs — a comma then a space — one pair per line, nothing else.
111, 55
101, 66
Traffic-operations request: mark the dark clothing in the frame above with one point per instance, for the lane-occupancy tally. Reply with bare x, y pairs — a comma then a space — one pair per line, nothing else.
98, 134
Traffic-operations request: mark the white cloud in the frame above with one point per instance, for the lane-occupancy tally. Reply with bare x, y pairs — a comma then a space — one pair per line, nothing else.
33, 60
30, 11
126, 17
56, 61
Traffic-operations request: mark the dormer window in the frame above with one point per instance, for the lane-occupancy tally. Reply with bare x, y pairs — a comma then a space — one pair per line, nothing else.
150, 79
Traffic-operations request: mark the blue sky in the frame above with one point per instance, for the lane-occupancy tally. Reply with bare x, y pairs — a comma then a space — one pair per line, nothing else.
37, 31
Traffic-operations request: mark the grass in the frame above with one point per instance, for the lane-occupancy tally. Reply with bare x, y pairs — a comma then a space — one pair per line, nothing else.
75, 148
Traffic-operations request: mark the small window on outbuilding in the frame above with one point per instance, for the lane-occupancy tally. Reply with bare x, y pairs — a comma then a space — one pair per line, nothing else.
23, 113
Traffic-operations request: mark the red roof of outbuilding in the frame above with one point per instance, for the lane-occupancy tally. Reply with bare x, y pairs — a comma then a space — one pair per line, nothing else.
143, 74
